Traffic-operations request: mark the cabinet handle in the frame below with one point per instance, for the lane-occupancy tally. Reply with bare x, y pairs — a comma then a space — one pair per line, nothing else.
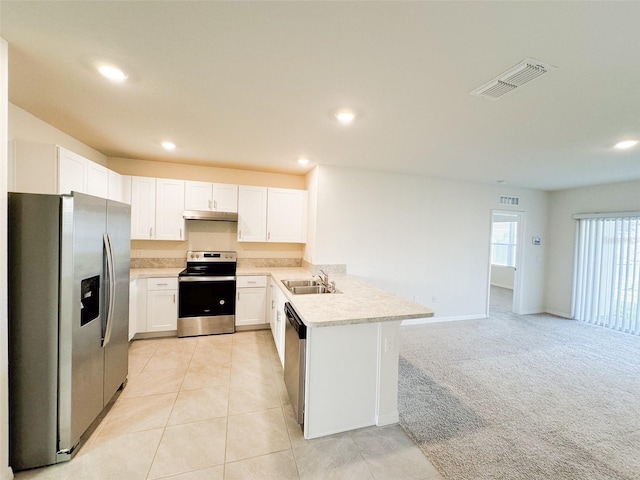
165, 284
209, 204
150, 232
238, 295
240, 234
273, 304
180, 233
215, 205
268, 235
174, 298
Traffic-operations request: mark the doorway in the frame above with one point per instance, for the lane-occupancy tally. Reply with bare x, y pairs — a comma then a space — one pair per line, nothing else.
507, 229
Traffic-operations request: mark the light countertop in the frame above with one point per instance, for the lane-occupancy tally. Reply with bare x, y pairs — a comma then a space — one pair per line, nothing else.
359, 302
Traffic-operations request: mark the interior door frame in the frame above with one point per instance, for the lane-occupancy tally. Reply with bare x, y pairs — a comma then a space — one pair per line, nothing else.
516, 306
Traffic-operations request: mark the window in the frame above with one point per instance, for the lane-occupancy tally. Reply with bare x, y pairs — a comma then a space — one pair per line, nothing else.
607, 272
504, 235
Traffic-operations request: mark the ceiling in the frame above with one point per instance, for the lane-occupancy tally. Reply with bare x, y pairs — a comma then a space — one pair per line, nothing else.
254, 85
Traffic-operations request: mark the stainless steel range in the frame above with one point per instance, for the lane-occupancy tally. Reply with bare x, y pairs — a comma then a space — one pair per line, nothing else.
207, 294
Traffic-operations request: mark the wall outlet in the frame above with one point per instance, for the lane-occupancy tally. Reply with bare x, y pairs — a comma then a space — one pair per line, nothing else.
388, 344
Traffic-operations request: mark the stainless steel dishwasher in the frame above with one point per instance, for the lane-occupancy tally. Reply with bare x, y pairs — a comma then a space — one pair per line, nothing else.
295, 349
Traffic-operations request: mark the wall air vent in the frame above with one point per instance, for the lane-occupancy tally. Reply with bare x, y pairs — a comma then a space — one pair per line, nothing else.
507, 200
513, 78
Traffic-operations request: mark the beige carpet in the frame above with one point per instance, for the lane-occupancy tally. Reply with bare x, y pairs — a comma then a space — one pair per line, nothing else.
522, 397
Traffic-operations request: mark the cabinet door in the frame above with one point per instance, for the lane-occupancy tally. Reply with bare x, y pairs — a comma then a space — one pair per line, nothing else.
116, 186
252, 214
72, 173
162, 310
169, 209
225, 197
280, 324
286, 215
197, 196
97, 180
143, 208
251, 306
277, 318
133, 308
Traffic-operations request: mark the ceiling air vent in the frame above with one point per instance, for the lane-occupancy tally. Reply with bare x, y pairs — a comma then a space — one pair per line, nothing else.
513, 78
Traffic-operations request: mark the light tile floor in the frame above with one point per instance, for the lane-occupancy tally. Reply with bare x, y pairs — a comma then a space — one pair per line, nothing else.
215, 407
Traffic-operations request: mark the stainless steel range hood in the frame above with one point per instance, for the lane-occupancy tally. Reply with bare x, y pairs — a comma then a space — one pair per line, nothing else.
211, 216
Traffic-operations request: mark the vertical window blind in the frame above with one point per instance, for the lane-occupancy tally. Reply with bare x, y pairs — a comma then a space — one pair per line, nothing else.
606, 278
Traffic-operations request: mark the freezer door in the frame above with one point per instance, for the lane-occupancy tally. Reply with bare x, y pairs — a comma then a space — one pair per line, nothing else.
117, 342
81, 356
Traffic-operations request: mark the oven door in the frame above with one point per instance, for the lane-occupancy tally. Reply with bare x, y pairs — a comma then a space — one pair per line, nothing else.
206, 305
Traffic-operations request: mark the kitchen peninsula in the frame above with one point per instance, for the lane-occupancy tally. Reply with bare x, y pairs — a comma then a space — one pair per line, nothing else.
352, 350
352, 354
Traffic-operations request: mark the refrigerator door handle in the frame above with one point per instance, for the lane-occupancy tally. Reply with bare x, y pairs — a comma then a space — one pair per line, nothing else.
111, 276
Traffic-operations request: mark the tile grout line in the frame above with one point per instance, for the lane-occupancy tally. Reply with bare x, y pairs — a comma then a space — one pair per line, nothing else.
164, 429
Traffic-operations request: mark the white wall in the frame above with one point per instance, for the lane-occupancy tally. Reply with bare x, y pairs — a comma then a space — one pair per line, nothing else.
422, 237
25, 126
5, 470
502, 276
619, 197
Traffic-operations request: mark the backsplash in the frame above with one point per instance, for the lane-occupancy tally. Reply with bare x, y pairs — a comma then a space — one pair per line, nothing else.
242, 262
158, 262
269, 262
338, 268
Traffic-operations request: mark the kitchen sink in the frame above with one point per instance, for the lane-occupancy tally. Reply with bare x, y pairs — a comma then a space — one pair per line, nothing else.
300, 283
306, 287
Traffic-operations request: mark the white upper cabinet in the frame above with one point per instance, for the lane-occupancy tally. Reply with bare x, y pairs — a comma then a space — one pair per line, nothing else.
143, 208
252, 214
216, 197
116, 187
157, 206
169, 209
197, 196
72, 176
272, 215
51, 169
97, 180
286, 215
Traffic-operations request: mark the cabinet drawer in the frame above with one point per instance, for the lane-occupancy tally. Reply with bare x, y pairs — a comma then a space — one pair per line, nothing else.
170, 283
245, 281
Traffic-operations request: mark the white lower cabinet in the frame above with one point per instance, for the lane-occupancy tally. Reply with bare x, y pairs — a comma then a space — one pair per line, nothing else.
251, 300
277, 318
162, 304
133, 308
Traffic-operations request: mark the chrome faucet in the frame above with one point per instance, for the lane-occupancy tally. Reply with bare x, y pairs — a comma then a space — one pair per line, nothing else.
324, 280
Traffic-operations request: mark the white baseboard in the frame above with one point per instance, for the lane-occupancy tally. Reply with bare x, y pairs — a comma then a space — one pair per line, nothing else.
387, 419
532, 312
559, 314
420, 321
7, 474
508, 287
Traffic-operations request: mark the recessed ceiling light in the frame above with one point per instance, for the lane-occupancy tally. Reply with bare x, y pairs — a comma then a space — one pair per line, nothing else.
501, 182
168, 145
303, 161
626, 144
112, 73
345, 117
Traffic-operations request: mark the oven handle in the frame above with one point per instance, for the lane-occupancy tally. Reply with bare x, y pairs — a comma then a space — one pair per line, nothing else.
206, 279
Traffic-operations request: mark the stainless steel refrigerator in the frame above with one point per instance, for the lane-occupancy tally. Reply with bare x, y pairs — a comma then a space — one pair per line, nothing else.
68, 320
